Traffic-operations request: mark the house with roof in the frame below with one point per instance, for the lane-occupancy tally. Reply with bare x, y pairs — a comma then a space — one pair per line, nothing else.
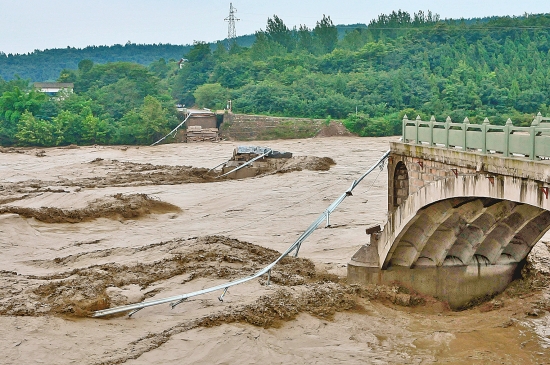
52, 88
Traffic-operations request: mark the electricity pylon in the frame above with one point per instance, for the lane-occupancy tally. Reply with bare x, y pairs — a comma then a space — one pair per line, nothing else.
231, 33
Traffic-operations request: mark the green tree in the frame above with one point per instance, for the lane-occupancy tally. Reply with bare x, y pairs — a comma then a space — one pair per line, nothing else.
213, 96
146, 125
305, 39
355, 39
13, 104
154, 117
85, 65
67, 75
199, 52
94, 130
326, 34
195, 72
33, 131
365, 126
70, 124
264, 48
160, 68
11, 85
278, 32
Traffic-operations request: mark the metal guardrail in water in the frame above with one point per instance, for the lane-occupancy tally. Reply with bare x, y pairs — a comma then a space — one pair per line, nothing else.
178, 299
247, 163
215, 167
173, 130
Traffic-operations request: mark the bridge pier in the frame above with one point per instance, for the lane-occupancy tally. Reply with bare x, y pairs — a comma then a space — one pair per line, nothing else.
456, 285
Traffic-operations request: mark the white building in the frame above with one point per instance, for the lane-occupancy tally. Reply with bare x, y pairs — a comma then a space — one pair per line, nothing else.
52, 88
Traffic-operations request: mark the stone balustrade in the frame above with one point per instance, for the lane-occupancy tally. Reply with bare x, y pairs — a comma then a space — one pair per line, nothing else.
509, 141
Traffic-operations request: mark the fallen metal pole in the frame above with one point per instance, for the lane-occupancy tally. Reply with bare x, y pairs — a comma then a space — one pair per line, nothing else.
318, 221
295, 246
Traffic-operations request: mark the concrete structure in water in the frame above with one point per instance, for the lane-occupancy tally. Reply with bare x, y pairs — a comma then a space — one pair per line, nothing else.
466, 203
249, 158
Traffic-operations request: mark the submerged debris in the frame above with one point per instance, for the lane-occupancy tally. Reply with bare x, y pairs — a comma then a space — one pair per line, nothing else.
250, 161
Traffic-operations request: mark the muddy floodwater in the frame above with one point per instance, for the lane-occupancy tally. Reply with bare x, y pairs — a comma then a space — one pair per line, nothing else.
86, 228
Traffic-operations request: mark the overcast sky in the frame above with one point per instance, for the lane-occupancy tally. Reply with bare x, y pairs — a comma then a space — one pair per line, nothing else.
26, 25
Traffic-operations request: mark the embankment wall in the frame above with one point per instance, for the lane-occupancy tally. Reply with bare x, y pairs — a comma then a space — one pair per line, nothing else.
242, 127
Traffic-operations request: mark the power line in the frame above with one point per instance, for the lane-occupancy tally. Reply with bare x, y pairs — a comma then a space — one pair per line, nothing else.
454, 28
231, 32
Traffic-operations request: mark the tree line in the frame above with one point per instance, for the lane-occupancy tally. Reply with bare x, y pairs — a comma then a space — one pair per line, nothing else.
113, 103
369, 77
45, 65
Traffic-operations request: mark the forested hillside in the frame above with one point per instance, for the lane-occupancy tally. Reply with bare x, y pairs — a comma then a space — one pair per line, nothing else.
45, 65
369, 77
498, 69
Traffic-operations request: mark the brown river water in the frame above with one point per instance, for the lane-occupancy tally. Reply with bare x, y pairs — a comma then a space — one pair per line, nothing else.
84, 228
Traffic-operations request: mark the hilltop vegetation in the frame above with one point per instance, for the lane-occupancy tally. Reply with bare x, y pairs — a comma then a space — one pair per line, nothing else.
370, 77
46, 65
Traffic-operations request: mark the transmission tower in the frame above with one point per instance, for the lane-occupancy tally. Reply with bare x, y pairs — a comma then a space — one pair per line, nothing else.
231, 33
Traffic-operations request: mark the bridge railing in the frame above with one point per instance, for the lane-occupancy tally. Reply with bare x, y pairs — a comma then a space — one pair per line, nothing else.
531, 142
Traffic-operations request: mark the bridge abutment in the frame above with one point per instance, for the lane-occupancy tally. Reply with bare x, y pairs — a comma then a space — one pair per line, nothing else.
459, 286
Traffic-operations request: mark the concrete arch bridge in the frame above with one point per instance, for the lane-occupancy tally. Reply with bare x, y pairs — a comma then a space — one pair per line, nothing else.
466, 204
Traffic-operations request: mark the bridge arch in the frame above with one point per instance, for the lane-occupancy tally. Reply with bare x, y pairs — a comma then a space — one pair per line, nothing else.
468, 231
449, 221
